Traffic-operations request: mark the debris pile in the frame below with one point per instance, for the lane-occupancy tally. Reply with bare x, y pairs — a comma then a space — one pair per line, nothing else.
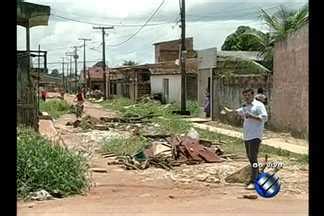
88, 122
166, 152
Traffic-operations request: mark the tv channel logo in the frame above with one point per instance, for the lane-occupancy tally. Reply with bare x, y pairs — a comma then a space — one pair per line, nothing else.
267, 185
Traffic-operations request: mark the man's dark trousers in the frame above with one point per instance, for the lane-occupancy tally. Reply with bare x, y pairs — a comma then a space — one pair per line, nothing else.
252, 150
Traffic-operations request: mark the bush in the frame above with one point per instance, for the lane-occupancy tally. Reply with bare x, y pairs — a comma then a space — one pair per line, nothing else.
55, 107
194, 108
42, 165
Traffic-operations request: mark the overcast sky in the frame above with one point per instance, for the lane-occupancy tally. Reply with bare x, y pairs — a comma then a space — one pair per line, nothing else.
207, 21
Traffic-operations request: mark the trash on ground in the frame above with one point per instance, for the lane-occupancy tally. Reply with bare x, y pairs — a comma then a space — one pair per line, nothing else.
40, 195
250, 196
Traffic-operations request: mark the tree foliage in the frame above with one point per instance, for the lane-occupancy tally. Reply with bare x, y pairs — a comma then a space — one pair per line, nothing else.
240, 41
55, 72
281, 23
129, 62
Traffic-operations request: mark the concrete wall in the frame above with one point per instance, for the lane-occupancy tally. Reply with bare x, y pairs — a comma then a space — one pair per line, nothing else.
228, 93
203, 75
174, 86
290, 83
206, 60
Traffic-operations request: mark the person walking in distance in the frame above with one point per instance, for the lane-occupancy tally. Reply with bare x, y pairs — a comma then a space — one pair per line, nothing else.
79, 98
44, 94
255, 115
260, 96
207, 104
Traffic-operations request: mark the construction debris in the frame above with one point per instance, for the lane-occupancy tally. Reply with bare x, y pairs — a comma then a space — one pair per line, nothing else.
193, 151
130, 118
169, 152
88, 122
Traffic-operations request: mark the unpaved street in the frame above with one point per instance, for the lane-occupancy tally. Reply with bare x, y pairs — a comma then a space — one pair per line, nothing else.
159, 192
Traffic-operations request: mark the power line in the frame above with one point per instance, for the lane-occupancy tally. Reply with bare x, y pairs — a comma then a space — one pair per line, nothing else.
92, 23
146, 22
67, 47
79, 62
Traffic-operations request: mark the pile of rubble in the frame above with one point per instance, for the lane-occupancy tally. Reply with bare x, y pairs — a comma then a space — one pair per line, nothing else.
129, 123
168, 151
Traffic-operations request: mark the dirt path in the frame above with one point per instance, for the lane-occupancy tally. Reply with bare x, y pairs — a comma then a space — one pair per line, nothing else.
159, 192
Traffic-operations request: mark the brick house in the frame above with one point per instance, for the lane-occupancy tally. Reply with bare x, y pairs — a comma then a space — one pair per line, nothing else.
290, 83
165, 73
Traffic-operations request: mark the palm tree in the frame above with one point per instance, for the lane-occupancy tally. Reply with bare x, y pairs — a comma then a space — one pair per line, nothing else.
285, 21
281, 24
265, 45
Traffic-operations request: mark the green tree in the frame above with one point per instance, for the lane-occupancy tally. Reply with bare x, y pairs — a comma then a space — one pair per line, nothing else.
241, 41
55, 72
129, 63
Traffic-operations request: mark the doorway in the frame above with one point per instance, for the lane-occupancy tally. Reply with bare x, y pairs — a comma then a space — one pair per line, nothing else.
165, 90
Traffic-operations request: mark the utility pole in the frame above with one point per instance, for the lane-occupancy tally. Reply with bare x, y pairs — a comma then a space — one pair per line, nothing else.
183, 57
38, 80
70, 54
84, 57
104, 61
76, 65
63, 79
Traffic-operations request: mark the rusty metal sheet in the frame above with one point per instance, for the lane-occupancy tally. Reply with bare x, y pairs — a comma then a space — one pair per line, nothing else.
198, 152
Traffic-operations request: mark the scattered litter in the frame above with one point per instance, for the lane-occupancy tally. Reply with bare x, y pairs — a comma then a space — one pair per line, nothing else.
40, 195
99, 170
250, 196
45, 116
193, 134
57, 194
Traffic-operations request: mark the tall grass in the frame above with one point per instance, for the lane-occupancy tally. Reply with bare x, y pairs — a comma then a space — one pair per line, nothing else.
122, 146
55, 107
43, 165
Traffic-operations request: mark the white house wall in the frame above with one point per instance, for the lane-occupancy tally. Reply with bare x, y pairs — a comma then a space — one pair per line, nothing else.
174, 86
202, 84
206, 60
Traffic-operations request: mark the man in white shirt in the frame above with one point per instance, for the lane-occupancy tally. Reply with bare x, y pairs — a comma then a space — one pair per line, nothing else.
255, 115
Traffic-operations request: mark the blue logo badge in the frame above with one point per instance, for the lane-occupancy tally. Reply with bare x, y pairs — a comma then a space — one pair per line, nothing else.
267, 185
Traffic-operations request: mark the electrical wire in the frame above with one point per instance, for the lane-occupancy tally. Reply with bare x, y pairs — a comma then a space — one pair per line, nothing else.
146, 22
102, 24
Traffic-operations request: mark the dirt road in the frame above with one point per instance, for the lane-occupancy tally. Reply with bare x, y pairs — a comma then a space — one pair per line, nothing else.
154, 192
